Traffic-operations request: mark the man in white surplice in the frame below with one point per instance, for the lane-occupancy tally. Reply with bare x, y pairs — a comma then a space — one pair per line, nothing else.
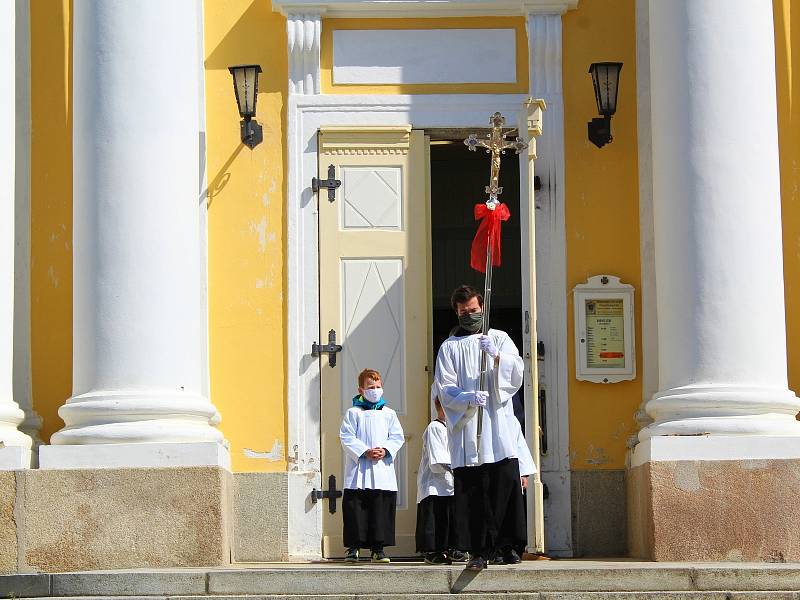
488, 505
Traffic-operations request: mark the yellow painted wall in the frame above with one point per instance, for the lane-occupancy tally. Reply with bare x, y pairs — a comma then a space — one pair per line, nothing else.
787, 67
602, 216
326, 55
246, 196
51, 209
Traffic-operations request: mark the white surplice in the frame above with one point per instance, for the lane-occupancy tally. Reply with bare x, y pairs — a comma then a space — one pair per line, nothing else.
526, 464
458, 371
364, 429
434, 477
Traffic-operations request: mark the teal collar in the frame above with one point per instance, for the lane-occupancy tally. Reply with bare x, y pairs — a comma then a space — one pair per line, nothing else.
359, 401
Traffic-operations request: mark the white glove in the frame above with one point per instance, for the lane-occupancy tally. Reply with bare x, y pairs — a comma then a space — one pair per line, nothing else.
487, 345
479, 398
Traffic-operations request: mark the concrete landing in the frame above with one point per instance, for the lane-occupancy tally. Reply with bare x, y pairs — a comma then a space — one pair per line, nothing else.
553, 580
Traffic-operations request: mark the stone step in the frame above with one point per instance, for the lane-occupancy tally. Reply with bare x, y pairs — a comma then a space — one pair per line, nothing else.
555, 580
774, 595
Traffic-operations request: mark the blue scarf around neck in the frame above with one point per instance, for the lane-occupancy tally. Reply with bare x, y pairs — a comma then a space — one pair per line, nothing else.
358, 400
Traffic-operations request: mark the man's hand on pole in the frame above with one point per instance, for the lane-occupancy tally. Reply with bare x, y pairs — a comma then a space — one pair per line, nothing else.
487, 345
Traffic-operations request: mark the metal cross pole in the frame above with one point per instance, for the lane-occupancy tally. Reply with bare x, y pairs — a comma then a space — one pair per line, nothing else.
495, 144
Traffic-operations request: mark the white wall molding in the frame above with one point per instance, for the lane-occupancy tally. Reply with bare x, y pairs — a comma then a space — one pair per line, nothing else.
303, 30
545, 48
413, 56
10, 413
647, 294
22, 234
306, 114
425, 8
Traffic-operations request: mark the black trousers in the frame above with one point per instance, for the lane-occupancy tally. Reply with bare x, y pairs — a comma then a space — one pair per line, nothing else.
434, 522
369, 517
489, 511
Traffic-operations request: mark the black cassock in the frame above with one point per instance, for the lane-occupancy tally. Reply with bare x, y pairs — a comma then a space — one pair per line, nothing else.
369, 518
489, 508
436, 524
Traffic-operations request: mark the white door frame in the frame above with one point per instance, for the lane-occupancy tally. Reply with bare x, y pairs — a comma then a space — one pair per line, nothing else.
306, 114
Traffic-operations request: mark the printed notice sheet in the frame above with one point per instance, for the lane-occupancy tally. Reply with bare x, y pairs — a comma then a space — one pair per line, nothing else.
605, 333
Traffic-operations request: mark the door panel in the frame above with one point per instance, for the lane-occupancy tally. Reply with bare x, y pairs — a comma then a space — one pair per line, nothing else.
374, 293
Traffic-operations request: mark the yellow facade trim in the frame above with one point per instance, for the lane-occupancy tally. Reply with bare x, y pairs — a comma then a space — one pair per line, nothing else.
516, 23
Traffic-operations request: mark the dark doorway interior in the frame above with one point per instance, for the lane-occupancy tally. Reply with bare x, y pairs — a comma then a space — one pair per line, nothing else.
458, 179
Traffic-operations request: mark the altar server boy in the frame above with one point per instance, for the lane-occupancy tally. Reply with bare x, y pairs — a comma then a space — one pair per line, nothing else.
371, 436
435, 490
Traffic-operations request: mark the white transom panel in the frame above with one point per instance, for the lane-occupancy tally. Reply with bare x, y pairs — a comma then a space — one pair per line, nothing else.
420, 56
372, 305
372, 197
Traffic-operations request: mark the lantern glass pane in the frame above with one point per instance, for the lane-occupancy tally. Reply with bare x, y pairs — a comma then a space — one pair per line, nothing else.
605, 77
245, 83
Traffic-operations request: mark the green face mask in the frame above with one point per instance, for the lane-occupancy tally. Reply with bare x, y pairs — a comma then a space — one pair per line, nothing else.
471, 321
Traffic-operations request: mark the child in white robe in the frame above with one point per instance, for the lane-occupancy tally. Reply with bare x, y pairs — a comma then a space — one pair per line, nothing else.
435, 490
371, 436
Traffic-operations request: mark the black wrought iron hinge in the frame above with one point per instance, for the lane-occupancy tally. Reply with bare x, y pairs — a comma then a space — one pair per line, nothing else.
331, 183
331, 348
331, 494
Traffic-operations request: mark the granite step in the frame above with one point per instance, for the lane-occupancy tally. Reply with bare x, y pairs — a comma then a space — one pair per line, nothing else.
555, 580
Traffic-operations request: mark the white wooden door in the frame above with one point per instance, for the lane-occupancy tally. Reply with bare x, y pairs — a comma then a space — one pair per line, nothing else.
373, 241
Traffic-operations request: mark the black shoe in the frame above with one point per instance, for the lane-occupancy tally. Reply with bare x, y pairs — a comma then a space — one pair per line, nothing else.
458, 556
379, 556
351, 556
511, 558
478, 563
496, 558
437, 558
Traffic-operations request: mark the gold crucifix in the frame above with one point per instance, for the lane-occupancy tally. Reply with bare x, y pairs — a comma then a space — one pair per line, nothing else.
495, 144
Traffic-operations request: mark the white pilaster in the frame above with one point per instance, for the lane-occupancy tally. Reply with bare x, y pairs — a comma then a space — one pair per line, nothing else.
137, 344
545, 44
303, 37
717, 223
22, 225
15, 450
647, 292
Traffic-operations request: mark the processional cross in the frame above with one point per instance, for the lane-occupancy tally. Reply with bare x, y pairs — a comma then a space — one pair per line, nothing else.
495, 144
491, 213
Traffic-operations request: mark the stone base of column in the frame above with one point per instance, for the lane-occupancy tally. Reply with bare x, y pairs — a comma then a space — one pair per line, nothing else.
90, 519
715, 498
13, 458
155, 455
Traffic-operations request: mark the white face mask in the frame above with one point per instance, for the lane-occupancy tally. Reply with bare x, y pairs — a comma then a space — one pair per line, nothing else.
373, 395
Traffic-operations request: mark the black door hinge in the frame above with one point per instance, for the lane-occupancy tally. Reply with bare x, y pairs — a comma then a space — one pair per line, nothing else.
331, 348
331, 494
331, 183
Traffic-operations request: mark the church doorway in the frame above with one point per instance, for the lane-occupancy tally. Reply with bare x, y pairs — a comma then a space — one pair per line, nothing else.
394, 242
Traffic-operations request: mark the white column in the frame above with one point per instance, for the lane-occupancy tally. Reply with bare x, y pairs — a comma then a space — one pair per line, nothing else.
137, 376
15, 451
717, 222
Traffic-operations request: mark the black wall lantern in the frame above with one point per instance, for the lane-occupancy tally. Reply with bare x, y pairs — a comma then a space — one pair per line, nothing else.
245, 84
605, 77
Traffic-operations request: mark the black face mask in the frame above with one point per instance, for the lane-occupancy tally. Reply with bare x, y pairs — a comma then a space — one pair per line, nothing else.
471, 322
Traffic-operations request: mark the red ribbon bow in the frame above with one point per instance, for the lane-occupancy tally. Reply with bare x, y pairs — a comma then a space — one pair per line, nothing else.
488, 233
